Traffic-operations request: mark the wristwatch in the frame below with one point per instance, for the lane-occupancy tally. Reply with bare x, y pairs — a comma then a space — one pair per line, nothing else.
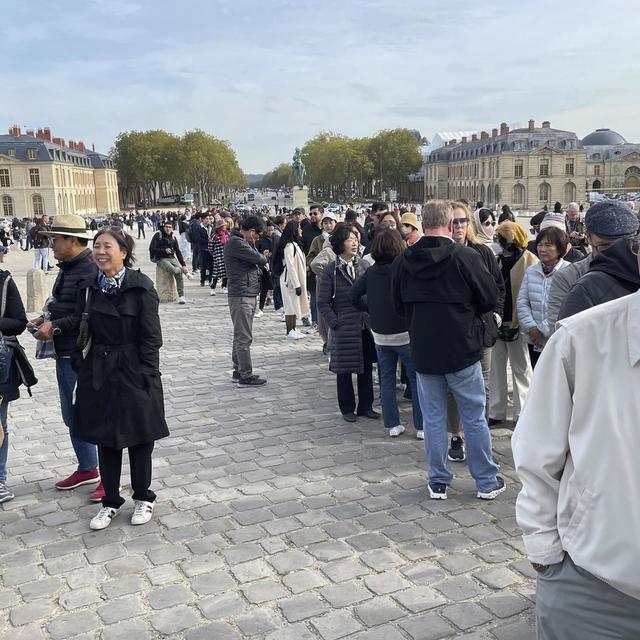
540, 568
56, 331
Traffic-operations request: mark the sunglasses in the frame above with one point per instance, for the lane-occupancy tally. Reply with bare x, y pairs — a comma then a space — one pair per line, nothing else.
488, 223
459, 222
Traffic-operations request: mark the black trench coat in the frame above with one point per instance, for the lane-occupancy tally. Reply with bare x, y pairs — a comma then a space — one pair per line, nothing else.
119, 398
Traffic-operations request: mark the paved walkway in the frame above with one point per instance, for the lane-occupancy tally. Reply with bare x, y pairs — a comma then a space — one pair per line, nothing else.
275, 519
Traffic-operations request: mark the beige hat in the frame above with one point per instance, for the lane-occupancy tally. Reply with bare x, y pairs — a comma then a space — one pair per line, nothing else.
68, 225
410, 218
330, 216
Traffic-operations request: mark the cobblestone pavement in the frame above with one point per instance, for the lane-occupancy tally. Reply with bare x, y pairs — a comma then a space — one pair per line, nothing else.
275, 519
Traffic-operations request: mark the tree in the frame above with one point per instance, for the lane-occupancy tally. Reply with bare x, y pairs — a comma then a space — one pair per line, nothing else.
281, 176
395, 154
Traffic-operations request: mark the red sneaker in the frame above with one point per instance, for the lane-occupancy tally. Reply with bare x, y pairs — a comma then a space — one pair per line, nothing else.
77, 479
97, 494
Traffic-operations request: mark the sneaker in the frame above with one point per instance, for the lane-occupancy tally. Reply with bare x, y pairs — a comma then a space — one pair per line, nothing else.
142, 512
420, 435
181, 300
493, 493
103, 518
212, 292
306, 322
259, 313
235, 376
437, 491
251, 381
456, 452
394, 432
224, 289
97, 494
5, 493
189, 275
294, 335
78, 478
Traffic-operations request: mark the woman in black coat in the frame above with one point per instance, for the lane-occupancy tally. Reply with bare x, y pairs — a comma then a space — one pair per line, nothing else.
13, 322
119, 398
350, 341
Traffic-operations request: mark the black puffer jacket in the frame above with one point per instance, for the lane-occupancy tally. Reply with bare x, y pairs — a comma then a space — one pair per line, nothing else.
346, 322
74, 275
613, 273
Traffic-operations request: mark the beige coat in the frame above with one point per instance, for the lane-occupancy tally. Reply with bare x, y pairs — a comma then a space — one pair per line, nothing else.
293, 276
576, 446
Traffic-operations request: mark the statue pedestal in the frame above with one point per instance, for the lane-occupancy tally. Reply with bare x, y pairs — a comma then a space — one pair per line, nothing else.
301, 198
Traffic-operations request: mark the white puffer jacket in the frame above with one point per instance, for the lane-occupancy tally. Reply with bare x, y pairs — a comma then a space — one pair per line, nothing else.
533, 299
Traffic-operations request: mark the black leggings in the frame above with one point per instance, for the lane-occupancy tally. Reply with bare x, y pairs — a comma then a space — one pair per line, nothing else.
265, 287
214, 282
111, 466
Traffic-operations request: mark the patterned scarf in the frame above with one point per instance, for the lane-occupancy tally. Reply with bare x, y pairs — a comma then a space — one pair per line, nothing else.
111, 286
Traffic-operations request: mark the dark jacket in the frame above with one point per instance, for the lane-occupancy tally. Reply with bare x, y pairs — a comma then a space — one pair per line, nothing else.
309, 232
490, 324
613, 273
443, 289
200, 236
73, 276
12, 324
346, 322
164, 246
119, 398
243, 264
375, 284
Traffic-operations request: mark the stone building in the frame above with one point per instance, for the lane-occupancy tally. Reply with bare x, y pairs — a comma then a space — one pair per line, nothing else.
530, 167
41, 174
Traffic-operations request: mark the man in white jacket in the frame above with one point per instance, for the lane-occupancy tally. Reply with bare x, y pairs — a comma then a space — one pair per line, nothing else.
575, 450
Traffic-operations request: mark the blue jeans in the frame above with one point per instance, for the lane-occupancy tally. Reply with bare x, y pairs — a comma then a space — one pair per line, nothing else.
467, 387
4, 449
387, 367
85, 451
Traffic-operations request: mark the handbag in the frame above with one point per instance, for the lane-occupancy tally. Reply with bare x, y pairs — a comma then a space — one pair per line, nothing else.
84, 334
5, 351
508, 334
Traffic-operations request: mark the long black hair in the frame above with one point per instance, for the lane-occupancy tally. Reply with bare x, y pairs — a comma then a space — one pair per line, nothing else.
290, 234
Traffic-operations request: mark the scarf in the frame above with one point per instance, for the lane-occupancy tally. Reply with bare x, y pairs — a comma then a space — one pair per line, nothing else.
481, 231
111, 286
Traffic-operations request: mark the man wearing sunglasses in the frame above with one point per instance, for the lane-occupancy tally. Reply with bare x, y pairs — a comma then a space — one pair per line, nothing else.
575, 451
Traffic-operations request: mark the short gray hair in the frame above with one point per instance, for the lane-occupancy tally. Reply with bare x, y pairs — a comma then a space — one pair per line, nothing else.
573, 206
437, 214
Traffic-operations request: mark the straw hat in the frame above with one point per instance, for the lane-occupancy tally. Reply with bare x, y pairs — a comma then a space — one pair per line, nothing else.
68, 225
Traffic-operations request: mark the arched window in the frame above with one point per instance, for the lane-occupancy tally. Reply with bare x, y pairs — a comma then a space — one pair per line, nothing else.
482, 192
518, 194
569, 192
497, 193
38, 205
597, 185
544, 192
7, 206
490, 194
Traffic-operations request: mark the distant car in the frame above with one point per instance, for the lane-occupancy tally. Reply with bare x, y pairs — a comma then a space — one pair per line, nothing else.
251, 197
169, 200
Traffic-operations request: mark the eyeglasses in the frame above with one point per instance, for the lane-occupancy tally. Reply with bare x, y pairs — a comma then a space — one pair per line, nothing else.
459, 222
634, 244
488, 223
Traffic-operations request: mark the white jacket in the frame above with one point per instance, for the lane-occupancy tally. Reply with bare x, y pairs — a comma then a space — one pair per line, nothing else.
533, 298
294, 276
576, 446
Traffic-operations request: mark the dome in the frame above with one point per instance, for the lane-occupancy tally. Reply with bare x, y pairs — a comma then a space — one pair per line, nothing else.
603, 137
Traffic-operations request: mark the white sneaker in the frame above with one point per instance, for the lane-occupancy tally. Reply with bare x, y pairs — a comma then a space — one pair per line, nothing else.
142, 512
420, 435
212, 292
259, 313
189, 275
282, 318
181, 300
224, 289
103, 518
394, 432
294, 335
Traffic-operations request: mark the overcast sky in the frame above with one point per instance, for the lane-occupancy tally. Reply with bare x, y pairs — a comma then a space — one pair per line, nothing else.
267, 75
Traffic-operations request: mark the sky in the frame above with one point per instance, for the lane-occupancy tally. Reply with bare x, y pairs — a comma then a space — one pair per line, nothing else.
267, 75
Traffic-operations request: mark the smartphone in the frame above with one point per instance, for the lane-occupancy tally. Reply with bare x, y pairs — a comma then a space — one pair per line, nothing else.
34, 329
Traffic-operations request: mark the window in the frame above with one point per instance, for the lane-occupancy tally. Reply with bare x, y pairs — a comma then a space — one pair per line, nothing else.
32, 154
596, 170
7, 206
569, 192
4, 178
569, 167
544, 167
34, 177
38, 205
518, 194
544, 192
11, 153
518, 168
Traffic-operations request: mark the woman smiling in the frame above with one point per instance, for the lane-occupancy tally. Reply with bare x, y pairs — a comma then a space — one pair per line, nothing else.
119, 398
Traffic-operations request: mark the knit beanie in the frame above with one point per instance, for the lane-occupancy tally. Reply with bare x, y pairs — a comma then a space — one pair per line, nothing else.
556, 220
611, 219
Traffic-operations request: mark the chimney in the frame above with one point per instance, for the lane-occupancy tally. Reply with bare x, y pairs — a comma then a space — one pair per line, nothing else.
15, 131
546, 125
30, 133
58, 141
504, 128
464, 139
474, 137
494, 133
72, 145
532, 124
46, 134
93, 147
484, 135
454, 141
81, 146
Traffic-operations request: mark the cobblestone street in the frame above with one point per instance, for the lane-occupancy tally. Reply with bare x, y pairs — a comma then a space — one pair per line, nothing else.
275, 518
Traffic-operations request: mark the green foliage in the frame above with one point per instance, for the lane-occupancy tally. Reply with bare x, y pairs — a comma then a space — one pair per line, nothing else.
157, 162
395, 154
281, 176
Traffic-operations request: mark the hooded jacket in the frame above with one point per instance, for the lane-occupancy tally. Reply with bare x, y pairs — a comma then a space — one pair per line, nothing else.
613, 273
442, 289
242, 263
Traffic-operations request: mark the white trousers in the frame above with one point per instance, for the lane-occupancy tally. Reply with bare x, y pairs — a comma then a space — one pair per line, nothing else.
515, 353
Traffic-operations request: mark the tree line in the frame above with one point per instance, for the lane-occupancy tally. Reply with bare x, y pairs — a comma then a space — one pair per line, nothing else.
339, 167
156, 163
